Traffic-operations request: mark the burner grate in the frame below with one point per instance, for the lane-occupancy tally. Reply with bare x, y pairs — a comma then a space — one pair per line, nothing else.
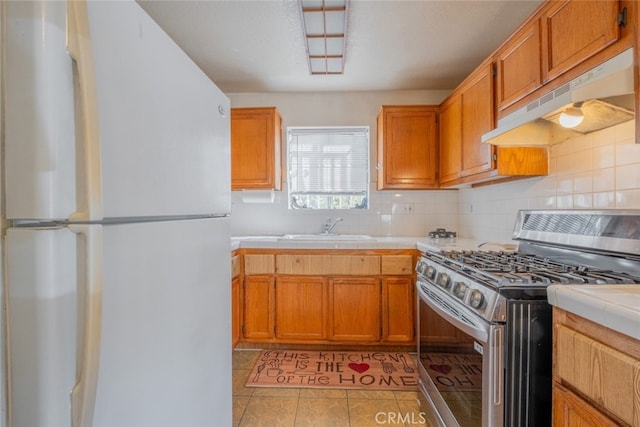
518, 269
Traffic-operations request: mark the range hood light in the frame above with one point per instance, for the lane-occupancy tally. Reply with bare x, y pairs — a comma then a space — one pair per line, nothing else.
572, 116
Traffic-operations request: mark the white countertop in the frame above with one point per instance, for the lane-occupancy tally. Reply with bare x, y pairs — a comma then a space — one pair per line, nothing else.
616, 307
376, 242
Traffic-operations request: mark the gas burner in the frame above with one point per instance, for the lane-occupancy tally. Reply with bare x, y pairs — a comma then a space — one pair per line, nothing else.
514, 268
441, 233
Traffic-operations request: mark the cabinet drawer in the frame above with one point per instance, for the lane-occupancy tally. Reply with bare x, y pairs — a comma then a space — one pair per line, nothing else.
601, 373
396, 264
328, 264
259, 264
235, 266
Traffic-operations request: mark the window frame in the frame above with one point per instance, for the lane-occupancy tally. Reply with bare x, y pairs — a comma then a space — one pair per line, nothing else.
330, 200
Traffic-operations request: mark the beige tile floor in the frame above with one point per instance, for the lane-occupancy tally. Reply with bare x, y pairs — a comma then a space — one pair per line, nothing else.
302, 407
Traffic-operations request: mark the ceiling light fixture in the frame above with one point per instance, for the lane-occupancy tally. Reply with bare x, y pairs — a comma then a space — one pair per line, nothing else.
325, 27
572, 116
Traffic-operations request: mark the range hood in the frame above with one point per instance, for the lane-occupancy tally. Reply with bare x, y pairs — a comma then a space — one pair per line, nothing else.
605, 95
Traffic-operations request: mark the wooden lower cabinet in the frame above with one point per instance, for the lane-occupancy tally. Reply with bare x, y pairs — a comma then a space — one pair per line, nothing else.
354, 309
259, 322
236, 310
596, 372
324, 297
398, 306
301, 307
570, 410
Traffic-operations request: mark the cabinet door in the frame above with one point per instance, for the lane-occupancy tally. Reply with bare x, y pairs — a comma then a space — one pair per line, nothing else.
255, 148
477, 119
258, 307
407, 138
450, 139
574, 31
569, 410
301, 308
398, 304
518, 62
236, 310
354, 307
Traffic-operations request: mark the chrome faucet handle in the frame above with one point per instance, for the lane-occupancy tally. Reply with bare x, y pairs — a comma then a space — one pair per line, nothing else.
328, 227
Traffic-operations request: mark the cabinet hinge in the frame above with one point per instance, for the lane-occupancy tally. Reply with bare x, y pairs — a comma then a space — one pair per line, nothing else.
622, 17
495, 157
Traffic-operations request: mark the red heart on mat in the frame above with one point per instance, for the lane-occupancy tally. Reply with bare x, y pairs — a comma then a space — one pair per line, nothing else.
359, 367
443, 369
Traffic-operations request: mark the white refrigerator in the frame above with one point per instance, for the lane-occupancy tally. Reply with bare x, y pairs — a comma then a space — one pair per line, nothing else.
116, 187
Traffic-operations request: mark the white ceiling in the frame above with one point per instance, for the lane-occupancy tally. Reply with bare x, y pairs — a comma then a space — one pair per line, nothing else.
258, 46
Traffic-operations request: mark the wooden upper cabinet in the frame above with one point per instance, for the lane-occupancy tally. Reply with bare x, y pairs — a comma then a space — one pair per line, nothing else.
450, 139
519, 65
464, 117
255, 148
573, 31
477, 119
407, 139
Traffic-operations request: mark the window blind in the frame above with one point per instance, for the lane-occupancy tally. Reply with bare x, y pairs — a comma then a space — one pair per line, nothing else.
328, 161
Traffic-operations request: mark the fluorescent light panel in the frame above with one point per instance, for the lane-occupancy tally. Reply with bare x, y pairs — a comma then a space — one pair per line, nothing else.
325, 26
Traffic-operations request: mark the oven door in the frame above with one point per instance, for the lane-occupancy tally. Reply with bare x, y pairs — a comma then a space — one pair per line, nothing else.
461, 362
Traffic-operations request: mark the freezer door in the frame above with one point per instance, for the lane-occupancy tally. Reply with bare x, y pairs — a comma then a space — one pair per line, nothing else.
104, 111
39, 146
164, 125
166, 339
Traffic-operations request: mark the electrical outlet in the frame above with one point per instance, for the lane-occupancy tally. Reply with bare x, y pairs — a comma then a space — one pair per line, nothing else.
402, 208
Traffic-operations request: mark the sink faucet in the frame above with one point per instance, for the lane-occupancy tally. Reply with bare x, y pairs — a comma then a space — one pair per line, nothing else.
328, 226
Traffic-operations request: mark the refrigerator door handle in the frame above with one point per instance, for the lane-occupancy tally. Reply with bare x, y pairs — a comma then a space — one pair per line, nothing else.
83, 395
89, 172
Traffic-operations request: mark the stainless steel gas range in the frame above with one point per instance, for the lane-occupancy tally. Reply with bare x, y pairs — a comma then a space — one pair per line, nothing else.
485, 333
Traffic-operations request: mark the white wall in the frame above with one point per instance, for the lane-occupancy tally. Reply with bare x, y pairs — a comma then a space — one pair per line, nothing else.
430, 209
599, 170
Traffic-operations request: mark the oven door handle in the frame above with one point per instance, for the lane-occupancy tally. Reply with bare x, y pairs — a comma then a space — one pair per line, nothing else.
460, 317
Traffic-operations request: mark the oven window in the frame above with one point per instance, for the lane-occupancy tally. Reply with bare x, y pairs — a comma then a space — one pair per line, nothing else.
448, 357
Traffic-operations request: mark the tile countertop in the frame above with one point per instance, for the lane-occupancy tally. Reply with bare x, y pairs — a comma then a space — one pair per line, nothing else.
616, 307
376, 242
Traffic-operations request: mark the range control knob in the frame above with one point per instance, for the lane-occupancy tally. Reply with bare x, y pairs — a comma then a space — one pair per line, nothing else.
444, 280
459, 289
476, 298
431, 272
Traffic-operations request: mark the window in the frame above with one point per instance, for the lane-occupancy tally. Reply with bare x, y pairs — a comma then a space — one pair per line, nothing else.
328, 167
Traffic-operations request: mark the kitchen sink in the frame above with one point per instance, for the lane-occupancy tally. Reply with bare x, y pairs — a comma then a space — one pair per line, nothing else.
322, 236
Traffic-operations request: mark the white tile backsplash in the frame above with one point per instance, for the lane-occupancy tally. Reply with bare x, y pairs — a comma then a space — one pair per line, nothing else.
600, 170
387, 215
